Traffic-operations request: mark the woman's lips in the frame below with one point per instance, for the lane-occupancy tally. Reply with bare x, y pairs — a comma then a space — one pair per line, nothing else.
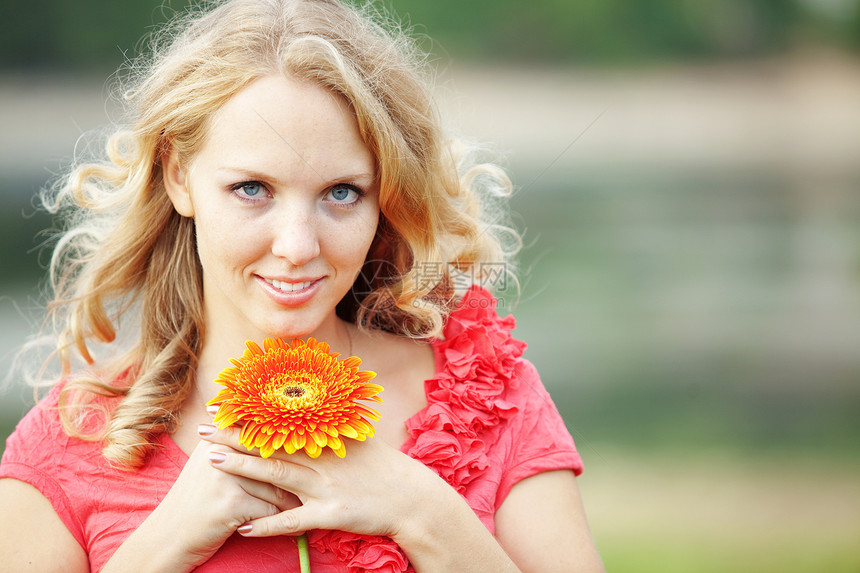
290, 293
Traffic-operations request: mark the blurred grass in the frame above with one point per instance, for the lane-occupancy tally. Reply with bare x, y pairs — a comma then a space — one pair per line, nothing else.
716, 511
647, 553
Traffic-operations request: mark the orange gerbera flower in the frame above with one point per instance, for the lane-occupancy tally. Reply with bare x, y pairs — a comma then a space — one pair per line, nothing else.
297, 396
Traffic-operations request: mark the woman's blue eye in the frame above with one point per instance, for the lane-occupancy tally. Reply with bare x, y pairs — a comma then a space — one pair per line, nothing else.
344, 194
250, 189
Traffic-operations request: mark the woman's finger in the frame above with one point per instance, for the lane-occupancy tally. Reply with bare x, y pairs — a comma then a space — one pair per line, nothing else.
230, 437
283, 474
293, 522
276, 496
224, 436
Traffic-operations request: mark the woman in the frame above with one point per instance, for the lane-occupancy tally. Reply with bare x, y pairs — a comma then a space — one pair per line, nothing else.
285, 176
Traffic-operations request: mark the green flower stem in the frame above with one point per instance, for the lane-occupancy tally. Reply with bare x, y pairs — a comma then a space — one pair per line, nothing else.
304, 558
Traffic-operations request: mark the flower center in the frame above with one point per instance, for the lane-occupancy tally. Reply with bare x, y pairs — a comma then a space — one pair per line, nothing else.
294, 391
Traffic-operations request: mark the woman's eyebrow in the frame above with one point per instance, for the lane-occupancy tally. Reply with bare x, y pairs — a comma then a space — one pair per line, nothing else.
345, 176
360, 177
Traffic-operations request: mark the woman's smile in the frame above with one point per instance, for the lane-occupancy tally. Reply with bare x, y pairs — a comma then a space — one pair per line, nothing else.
291, 294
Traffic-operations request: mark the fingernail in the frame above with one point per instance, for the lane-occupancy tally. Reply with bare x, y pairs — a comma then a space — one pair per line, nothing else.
245, 529
217, 457
206, 429
211, 410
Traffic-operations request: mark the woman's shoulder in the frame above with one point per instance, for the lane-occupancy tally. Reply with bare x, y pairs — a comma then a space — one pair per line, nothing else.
40, 453
489, 421
41, 442
42, 419
483, 382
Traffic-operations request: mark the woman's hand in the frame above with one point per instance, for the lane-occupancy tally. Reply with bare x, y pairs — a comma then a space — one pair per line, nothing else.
202, 509
374, 490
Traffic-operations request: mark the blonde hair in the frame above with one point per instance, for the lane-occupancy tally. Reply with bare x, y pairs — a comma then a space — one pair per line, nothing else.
127, 254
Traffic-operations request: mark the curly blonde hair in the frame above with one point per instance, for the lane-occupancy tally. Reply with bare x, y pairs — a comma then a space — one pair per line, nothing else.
126, 254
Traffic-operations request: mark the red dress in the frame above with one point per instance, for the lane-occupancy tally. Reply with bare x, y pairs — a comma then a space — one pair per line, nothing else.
488, 424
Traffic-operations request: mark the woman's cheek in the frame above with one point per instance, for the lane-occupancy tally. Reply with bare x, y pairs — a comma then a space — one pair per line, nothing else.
225, 241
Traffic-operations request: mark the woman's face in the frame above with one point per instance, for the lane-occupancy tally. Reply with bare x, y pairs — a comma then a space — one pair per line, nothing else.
285, 202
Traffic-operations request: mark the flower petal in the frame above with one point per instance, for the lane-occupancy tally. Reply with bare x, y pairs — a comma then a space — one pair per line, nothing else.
348, 431
298, 440
278, 440
312, 449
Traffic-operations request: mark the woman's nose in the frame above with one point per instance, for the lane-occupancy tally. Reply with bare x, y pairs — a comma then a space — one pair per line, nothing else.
296, 237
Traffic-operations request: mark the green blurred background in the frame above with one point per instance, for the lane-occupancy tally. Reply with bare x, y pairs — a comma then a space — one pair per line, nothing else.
687, 176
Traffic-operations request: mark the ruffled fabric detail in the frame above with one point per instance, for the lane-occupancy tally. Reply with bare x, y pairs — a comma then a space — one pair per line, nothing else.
361, 553
465, 404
